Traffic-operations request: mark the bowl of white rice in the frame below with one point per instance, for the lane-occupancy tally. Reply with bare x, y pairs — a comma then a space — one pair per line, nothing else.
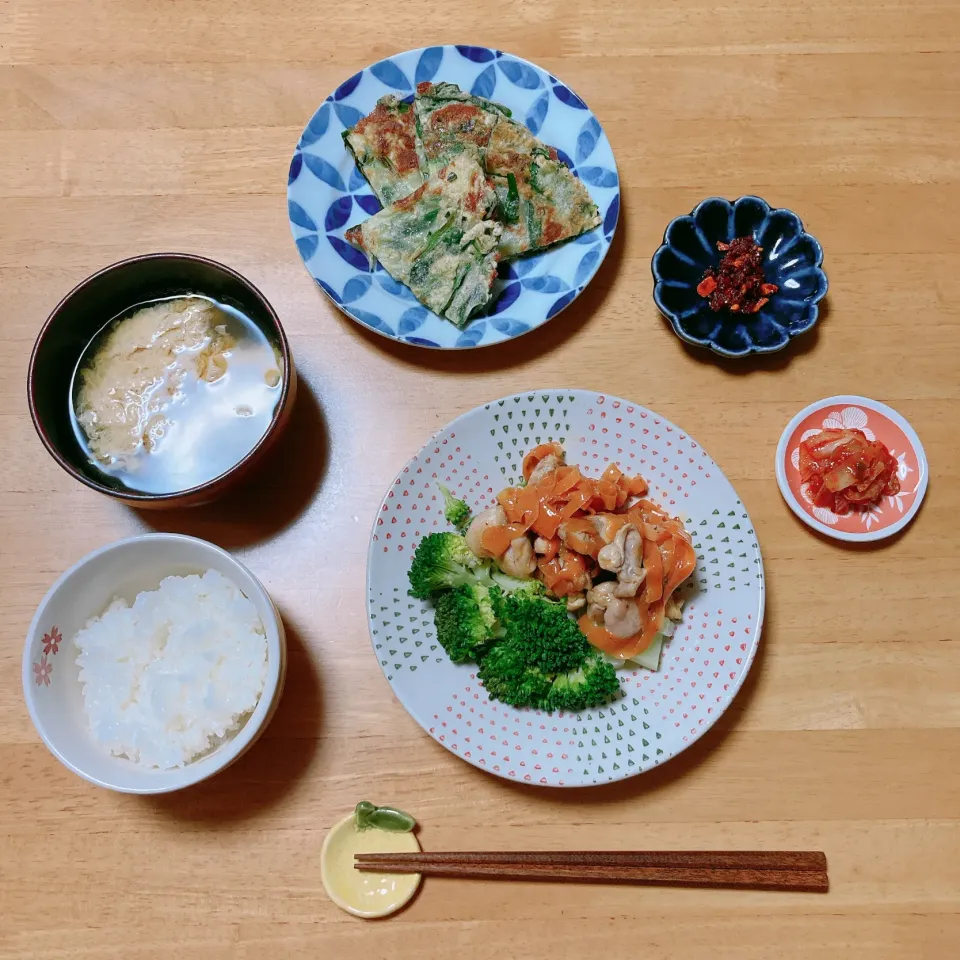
153, 663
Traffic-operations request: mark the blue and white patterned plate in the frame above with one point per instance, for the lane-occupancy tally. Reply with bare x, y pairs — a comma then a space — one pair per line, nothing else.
327, 195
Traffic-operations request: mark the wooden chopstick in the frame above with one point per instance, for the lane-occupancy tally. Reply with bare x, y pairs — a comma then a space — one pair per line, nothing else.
716, 859
806, 872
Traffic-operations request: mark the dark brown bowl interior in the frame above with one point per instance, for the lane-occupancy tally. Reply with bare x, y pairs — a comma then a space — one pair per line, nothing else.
101, 297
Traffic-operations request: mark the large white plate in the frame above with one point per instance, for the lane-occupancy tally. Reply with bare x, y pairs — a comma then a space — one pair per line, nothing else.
660, 714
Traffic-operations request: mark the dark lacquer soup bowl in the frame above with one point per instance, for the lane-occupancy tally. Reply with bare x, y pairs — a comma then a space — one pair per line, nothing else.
85, 311
791, 261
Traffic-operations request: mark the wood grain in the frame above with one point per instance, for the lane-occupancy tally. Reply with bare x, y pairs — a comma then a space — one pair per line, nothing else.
129, 126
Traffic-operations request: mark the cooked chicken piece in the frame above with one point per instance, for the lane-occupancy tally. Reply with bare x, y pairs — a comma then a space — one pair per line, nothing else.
547, 465
576, 601
620, 617
674, 608
598, 598
624, 557
607, 525
541, 545
491, 517
519, 560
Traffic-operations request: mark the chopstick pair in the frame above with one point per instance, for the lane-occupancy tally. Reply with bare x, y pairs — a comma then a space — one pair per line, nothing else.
801, 871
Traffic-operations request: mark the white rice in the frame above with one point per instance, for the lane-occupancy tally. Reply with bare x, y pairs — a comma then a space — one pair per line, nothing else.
173, 676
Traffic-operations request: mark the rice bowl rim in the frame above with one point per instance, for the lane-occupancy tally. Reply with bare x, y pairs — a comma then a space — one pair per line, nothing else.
206, 767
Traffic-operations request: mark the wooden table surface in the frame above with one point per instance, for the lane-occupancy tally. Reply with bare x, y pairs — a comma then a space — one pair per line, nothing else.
129, 126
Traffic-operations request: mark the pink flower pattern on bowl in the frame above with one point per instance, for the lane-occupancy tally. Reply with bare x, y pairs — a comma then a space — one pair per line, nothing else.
43, 668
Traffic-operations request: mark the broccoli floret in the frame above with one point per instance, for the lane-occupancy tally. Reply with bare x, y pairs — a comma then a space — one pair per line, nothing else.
544, 660
443, 561
465, 621
507, 676
594, 683
552, 641
516, 585
456, 511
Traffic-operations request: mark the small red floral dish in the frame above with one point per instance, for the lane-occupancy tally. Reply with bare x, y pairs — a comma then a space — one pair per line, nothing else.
877, 421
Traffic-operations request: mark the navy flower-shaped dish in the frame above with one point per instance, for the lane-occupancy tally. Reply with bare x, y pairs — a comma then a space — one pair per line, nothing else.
791, 259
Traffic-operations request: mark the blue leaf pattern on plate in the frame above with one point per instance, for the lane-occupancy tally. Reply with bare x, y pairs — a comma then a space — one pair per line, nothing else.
351, 255
428, 64
598, 176
544, 284
612, 215
387, 72
369, 203
356, 288
329, 291
317, 127
564, 158
485, 84
338, 214
324, 171
372, 320
512, 328
324, 183
524, 265
472, 335
476, 54
347, 115
519, 74
307, 245
300, 216
413, 319
558, 305
538, 113
296, 165
587, 265
567, 96
589, 134
393, 287
507, 298
348, 86
357, 180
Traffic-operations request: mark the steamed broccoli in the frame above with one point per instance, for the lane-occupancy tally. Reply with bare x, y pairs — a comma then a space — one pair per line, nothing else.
507, 676
544, 660
553, 643
465, 621
443, 561
456, 511
593, 684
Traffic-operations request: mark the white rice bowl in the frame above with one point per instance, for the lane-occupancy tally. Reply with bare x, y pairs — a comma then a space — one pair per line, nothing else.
173, 676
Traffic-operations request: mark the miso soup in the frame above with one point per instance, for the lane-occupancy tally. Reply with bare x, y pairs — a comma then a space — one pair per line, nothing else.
174, 392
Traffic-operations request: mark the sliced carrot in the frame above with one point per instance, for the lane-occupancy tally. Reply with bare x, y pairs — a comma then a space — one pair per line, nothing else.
496, 540
613, 473
566, 479
582, 536
547, 522
653, 564
553, 548
599, 636
635, 486
537, 454
685, 560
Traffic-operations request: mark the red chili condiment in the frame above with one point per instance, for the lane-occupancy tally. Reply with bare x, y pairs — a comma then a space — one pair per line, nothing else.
737, 283
843, 469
